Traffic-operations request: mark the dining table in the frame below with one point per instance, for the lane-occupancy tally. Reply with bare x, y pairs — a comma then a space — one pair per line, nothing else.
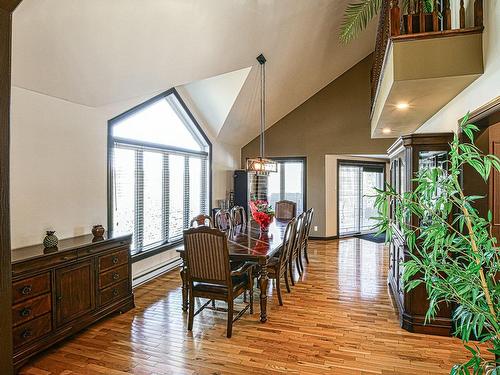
248, 243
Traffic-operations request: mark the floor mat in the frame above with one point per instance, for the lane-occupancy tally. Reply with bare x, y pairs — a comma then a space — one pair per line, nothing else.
373, 237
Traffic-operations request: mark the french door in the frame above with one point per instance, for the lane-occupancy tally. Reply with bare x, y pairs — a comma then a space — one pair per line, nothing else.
288, 183
356, 201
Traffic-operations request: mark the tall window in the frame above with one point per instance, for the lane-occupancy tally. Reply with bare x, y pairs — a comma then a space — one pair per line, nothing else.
159, 172
288, 183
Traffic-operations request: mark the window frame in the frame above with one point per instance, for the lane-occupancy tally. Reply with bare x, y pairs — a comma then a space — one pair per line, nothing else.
291, 159
149, 251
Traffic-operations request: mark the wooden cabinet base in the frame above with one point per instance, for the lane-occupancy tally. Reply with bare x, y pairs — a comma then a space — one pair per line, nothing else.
58, 293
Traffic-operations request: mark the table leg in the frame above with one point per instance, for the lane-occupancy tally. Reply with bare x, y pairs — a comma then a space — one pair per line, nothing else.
263, 282
184, 288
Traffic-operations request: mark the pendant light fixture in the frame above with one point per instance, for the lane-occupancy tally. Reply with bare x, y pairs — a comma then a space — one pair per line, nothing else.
261, 165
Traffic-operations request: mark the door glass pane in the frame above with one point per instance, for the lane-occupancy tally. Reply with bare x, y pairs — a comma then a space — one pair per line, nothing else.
274, 186
124, 191
176, 198
194, 187
349, 199
370, 181
294, 189
153, 169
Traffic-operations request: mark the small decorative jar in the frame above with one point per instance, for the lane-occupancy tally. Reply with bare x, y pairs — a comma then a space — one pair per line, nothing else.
98, 231
50, 239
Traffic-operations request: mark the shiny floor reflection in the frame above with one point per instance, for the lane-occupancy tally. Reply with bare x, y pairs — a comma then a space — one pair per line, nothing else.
339, 319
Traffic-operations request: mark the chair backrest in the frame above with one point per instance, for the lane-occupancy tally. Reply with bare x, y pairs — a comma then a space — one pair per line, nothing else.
201, 220
207, 255
238, 216
309, 216
285, 210
223, 220
288, 243
301, 229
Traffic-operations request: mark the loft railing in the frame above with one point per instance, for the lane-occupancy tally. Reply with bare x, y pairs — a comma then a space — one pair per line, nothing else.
395, 22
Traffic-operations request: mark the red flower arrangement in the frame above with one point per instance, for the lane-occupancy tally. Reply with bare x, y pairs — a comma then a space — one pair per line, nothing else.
262, 213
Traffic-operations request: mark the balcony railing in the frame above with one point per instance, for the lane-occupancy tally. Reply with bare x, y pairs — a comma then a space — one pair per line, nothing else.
414, 22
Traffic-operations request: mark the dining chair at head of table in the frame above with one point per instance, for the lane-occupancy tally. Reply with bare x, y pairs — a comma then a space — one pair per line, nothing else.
295, 253
277, 267
209, 274
201, 220
223, 220
285, 210
305, 245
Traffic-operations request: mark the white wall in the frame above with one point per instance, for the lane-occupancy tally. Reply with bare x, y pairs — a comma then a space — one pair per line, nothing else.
484, 89
59, 167
331, 193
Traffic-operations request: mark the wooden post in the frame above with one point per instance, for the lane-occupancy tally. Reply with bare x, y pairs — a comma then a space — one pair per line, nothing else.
462, 14
435, 19
395, 19
410, 17
421, 17
478, 13
447, 15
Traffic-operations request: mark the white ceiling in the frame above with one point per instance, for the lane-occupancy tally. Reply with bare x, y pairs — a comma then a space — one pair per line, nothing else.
99, 52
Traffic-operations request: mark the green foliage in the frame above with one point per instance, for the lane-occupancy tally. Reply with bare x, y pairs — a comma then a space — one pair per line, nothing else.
358, 14
452, 250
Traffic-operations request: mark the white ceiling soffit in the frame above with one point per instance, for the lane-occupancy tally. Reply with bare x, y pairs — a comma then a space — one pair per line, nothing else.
98, 52
213, 97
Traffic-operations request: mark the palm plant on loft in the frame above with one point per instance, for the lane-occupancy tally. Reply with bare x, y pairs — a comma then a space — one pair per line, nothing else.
452, 251
358, 14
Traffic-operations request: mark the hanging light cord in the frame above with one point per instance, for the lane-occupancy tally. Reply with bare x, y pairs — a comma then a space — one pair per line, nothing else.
262, 108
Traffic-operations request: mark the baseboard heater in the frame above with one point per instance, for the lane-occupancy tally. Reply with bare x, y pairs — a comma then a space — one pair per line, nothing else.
144, 278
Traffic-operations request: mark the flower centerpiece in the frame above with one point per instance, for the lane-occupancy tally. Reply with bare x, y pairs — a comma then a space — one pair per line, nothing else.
262, 213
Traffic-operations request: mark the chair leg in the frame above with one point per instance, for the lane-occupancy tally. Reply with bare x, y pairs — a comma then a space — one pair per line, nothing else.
298, 262
250, 293
229, 318
287, 284
245, 296
290, 270
305, 253
191, 311
213, 303
278, 289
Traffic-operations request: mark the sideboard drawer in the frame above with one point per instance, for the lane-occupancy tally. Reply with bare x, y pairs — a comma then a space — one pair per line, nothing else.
32, 330
113, 260
113, 276
112, 293
31, 309
30, 287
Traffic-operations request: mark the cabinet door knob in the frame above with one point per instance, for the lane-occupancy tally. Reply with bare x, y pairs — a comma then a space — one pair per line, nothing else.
25, 312
115, 292
116, 276
26, 333
115, 260
59, 298
26, 290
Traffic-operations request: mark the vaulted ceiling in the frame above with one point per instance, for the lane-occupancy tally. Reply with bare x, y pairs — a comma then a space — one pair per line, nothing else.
100, 52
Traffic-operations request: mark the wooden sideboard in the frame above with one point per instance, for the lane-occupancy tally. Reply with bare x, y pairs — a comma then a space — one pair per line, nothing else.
58, 292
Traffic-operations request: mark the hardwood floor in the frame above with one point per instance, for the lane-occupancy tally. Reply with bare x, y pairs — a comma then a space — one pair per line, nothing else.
340, 320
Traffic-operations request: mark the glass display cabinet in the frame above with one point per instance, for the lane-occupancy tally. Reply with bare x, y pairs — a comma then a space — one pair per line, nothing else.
408, 155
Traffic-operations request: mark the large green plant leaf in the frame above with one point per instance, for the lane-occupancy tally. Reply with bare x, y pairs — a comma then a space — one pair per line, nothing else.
356, 17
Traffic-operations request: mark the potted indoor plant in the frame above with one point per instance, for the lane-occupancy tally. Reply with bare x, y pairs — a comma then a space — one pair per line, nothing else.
457, 260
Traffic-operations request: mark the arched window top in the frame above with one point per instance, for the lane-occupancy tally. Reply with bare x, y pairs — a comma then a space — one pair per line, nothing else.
162, 121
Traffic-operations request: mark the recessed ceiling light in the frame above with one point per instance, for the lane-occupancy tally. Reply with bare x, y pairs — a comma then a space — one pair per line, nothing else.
402, 105
386, 130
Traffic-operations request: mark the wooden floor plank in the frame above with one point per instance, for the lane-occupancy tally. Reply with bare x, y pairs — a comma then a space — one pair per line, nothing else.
339, 319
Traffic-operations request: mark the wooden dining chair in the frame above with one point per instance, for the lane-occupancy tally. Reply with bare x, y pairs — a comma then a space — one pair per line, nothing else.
223, 220
285, 210
238, 217
201, 220
309, 217
209, 274
294, 256
277, 267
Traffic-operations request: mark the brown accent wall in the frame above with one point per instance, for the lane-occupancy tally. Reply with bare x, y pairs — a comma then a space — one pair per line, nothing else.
333, 121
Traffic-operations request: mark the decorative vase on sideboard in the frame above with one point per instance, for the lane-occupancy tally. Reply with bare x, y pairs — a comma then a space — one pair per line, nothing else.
50, 239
